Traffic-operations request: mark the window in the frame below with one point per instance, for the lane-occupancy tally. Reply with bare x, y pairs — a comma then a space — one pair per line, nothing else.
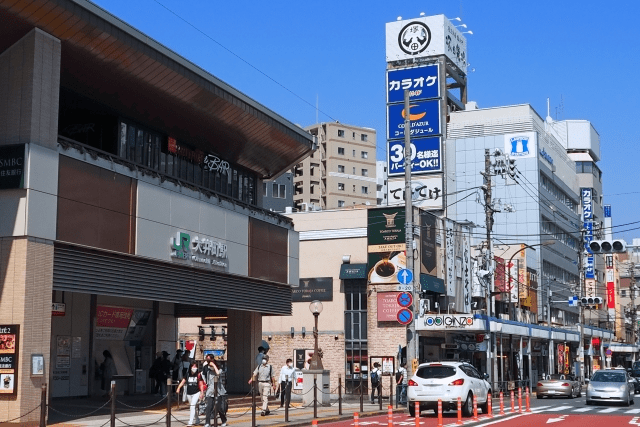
283, 191
311, 190
363, 137
341, 186
275, 191
364, 155
623, 293
354, 170
354, 153
341, 203
365, 190
354, 188
279, 191
341, 133
341, 151
264, 189
365, 172
341, 168
354, 135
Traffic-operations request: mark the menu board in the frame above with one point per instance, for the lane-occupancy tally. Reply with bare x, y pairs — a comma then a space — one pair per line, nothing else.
9, 340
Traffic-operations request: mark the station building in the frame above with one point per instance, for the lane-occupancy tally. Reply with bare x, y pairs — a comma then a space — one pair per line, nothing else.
130, 196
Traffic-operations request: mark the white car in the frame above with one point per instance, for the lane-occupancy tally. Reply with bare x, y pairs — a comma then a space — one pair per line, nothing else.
447, 381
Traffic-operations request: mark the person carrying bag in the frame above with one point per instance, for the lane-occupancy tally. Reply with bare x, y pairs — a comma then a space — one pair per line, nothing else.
192, 393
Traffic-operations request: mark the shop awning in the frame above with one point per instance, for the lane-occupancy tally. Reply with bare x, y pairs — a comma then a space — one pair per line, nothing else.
624, 348
432, 284
353, 271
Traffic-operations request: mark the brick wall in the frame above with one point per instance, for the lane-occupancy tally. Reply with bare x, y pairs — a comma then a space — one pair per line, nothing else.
26, 271
282, 347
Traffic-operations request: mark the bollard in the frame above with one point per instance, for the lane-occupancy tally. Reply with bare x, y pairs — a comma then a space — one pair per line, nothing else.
315, 396
314, 423
390, 416
417, 406
43, 406
253, 404
520, 400
356, 420
113, 403
489, 406
361, 396
339, 394
513, 402
391, 384
475, 408
380, 394
501, 404
527, 399
169, 393
287, 399
459, 422
439, 413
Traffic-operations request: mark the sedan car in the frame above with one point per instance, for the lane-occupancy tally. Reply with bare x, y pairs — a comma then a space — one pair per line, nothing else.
447, 381
610, 385
559, 385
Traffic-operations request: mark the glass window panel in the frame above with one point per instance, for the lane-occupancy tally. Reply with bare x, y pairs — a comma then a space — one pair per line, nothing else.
146, 160
347, 326
122, 147
348, 301
363, 324
163, 163
189, 170
139, 145
131, 142
274, 190
363, 302
197, 175
283, 190
170, 161
157, 142
356, 326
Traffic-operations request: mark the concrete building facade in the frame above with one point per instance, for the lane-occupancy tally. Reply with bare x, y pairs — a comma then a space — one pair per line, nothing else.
341, 173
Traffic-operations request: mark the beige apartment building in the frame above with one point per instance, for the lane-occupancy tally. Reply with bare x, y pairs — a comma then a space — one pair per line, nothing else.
341, 173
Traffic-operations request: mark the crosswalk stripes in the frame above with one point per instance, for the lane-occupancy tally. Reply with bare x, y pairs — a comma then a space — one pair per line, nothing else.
608, 410
559, 408
633, 411
583, 409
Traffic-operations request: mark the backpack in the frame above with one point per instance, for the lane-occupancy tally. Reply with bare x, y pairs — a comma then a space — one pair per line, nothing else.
374, 377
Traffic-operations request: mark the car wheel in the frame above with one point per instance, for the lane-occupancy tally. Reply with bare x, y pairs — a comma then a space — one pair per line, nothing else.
485, 406
588, 402
467, 407
412, 409
538, 396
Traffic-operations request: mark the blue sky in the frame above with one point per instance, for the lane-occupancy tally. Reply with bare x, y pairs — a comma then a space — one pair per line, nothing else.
333, 51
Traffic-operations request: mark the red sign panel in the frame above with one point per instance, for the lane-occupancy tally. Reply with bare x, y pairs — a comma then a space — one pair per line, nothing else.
388, 306
500, 272
611, 287
113, 317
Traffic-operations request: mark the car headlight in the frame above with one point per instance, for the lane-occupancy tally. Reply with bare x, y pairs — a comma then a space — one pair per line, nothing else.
623, 387
589, 387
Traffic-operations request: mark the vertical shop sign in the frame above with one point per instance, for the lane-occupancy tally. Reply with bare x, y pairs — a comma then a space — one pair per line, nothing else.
385, 244
587, 219
450, 257
428, 253
466, 271
9, 348
500, 274
611, 288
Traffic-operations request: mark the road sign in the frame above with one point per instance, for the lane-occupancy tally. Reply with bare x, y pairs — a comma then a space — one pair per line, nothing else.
608, 352
405, 299
573, 301
405, 316
404, 288
405, 276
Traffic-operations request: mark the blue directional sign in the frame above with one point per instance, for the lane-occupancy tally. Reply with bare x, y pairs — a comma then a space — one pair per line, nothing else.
405, 316
405, 299
405, 276
421, 82
573, 301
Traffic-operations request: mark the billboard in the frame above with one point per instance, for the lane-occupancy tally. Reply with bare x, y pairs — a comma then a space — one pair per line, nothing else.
426, 192
426, 36
587, 222
421, 82
313, 289
426, 156
428, 250
385, 244
424, 116
521, 145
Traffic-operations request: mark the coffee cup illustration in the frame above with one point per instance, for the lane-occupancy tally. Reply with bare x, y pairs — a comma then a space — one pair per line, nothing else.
6, 381
384, 268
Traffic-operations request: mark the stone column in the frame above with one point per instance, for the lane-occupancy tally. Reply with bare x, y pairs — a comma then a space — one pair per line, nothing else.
244, 335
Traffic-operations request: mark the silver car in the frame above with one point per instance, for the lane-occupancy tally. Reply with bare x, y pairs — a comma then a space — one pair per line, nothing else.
610, 385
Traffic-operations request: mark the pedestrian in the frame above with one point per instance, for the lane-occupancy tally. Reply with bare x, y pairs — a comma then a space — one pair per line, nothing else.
401, 384
184, 365
375, 382
285, 380
175, 366
108, 371
162, 370
263, 374
190, 381
154, 373
261, 354
214, 393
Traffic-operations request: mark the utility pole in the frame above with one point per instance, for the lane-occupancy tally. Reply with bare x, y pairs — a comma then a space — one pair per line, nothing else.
488, 209
581, 291
634, 313
412, 337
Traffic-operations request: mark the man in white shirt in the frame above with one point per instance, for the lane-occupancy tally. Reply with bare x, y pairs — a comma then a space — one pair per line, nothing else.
286, 378
401, 385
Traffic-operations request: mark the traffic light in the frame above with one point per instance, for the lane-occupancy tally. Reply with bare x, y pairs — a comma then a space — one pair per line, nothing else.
201, 333
608, 246
511, 167
591, 300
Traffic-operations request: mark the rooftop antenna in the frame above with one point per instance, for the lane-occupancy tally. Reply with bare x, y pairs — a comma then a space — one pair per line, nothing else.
317, 108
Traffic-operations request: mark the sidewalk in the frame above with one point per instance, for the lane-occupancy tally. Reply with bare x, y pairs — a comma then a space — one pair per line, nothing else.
239, 414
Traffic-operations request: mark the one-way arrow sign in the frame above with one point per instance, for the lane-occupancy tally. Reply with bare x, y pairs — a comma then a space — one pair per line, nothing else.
555, 420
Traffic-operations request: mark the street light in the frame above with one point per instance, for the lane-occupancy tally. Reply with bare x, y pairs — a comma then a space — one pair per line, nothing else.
523, 246
316, 361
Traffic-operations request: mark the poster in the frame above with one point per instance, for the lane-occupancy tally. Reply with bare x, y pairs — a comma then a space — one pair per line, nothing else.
385, 244
63, 345
388, 306
112, 323
9, 348
63, 362
387, 366
137, 325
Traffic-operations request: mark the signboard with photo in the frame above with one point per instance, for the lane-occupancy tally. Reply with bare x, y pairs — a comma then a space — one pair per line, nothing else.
112, 323
9, 348
385, 244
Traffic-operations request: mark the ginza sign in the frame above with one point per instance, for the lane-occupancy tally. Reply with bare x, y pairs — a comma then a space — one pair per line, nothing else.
447, 321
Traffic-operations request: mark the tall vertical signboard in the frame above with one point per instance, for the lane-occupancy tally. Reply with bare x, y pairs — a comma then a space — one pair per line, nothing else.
608, 263
587, 225
386, 244
9, 339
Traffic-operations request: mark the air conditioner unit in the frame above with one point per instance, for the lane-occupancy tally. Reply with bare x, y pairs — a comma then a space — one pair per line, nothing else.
304, 207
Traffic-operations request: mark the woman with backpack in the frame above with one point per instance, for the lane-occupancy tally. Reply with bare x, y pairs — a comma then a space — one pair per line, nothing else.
375, 381
193, 392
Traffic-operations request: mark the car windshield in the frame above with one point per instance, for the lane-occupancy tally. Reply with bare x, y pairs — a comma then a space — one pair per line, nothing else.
609, 377
427, 372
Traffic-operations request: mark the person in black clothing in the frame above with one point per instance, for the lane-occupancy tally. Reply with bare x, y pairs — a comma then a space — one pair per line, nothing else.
375, 381
165, 372
154, 373
193, 392
176, 366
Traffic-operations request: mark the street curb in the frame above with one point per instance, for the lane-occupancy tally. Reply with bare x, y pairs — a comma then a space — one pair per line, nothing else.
325, 420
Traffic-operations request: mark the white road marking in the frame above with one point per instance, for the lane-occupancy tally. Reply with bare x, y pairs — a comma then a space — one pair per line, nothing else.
608, 410
540, 408
633, 411
560, 408
555, 420
587, 409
